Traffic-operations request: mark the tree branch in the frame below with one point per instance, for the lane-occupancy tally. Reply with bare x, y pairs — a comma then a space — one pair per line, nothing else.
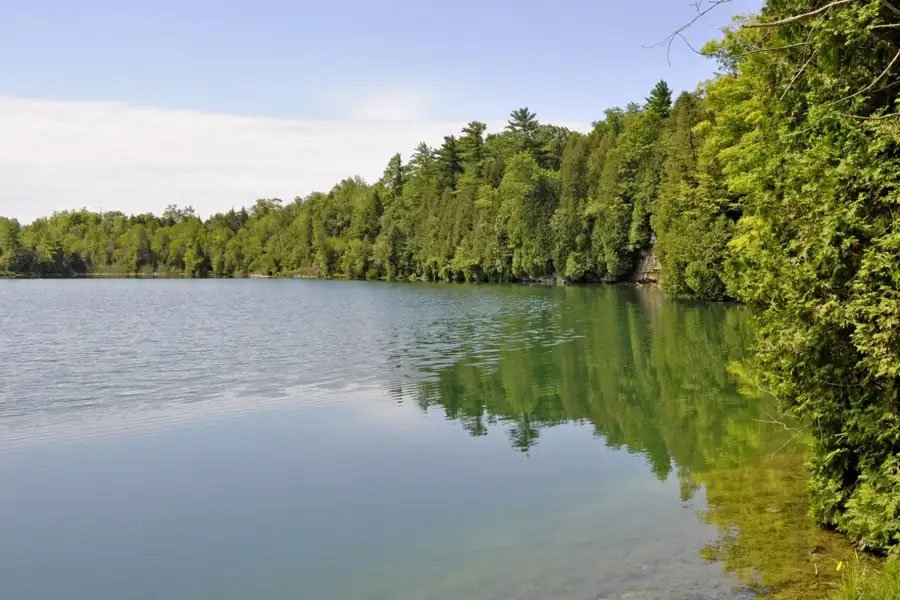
893, 8
773, 421
812, 55
689, 45
784, 445
875, 118
871, 85
796, 18
773, 49
678, 33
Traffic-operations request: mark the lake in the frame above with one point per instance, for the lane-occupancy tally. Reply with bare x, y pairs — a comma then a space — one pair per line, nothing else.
323, 440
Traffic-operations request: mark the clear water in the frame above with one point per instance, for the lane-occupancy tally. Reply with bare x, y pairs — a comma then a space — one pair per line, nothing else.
340, 440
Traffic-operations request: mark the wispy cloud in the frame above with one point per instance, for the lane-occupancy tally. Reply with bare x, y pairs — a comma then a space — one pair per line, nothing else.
57, 155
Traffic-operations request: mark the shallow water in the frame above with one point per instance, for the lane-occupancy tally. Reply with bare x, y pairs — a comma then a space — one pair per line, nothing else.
330, 440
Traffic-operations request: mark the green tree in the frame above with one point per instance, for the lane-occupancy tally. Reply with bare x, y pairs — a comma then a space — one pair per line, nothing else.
449, 162
523, 131
13, 257
660, 100
471, 148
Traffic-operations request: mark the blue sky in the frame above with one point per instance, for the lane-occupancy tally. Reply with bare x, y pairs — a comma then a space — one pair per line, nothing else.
429, 65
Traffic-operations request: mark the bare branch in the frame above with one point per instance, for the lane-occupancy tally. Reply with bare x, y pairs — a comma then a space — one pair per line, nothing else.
874, 118
772, 49
773, 421
784, 445
688, 44
797, 74
796, 18
871, 85
887, 26
679, 33
893, 8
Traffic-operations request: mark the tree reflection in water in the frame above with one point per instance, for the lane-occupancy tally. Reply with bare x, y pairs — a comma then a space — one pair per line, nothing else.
670, 381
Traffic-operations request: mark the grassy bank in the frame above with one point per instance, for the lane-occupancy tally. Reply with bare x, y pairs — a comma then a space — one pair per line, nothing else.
864, 582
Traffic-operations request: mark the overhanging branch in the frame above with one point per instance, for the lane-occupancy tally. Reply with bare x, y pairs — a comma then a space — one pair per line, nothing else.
679, 33
795, 18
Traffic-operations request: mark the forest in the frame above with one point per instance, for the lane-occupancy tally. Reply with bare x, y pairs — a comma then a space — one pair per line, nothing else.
532, 202
775, 184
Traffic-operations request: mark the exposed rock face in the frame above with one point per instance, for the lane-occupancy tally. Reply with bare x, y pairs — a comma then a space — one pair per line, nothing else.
648, 268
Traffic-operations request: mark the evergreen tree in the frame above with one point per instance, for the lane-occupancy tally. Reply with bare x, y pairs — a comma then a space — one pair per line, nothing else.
449, 162
660, 100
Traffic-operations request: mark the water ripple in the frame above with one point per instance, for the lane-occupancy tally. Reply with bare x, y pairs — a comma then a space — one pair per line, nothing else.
86, 356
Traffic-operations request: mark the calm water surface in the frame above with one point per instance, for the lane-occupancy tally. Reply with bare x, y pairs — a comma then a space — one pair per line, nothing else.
338, 440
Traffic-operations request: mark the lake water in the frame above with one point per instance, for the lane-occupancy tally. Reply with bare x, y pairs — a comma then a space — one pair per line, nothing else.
325, 440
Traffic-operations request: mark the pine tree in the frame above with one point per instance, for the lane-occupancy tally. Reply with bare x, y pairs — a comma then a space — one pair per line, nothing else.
659, 102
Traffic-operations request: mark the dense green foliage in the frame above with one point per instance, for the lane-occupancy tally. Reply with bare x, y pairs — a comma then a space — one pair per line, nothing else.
777, 184
809, 139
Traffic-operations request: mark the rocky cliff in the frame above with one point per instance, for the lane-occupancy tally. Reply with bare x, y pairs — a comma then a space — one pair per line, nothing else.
648, 268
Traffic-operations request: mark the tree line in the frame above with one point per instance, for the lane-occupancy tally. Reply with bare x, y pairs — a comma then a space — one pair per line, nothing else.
777, 184
534, 201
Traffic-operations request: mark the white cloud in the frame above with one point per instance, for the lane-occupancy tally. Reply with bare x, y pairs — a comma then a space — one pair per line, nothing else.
57, 155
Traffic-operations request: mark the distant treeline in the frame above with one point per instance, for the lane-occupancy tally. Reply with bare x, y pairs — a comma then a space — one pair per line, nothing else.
534, 201
777, 183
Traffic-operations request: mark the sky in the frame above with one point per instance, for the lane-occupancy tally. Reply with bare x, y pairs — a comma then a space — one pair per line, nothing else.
131, 106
